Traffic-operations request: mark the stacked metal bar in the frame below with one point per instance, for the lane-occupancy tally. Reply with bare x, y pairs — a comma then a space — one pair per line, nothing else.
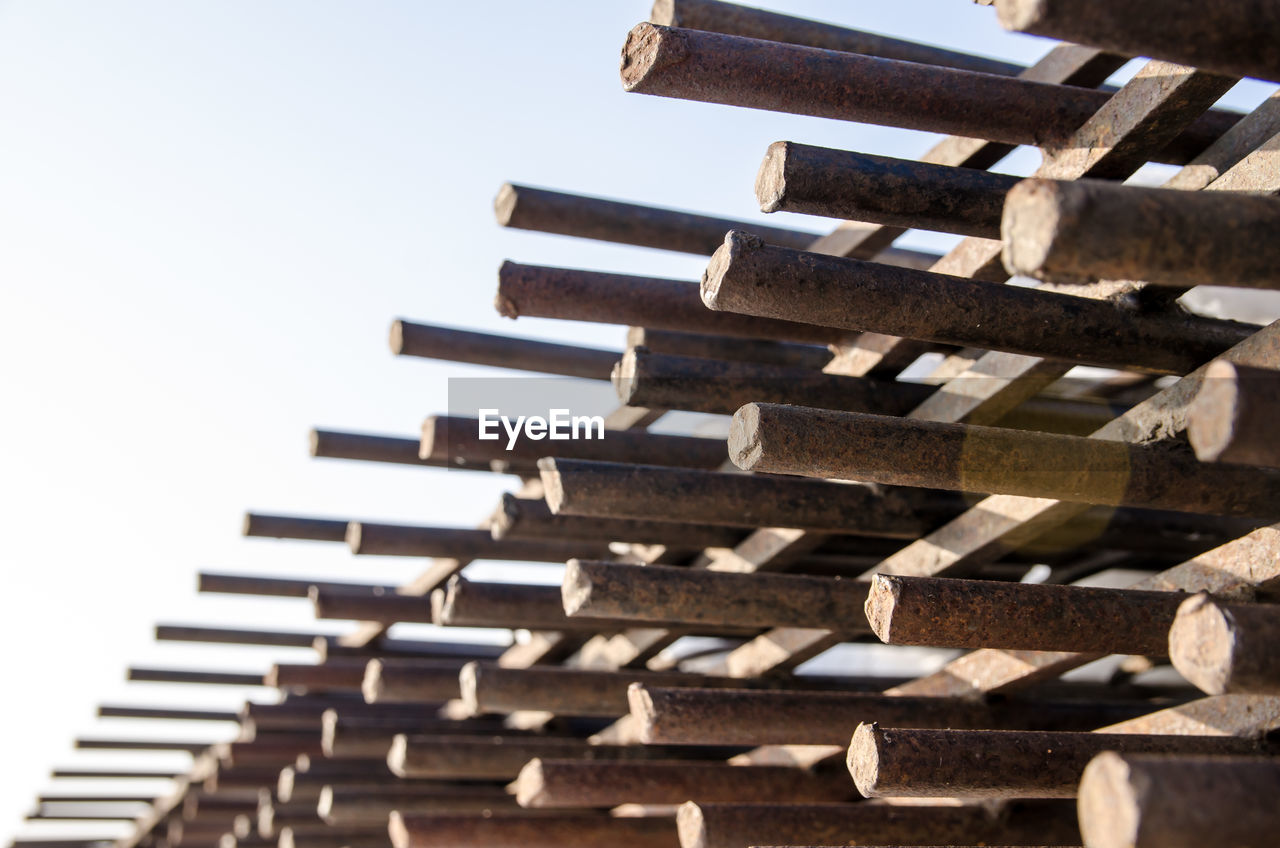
852, 505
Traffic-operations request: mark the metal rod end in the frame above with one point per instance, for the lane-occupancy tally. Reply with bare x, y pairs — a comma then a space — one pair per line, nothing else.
1201, 642
771, 179
863, 758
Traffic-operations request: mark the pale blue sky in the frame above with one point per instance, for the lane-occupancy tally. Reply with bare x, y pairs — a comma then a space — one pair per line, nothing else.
210, 212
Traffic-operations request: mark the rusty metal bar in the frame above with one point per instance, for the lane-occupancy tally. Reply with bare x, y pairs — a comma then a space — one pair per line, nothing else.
141, 745
688, 716
338, 675
527, 208
372, 737
284, 587
755, 74
1149, 801
369, 539
397, 681
656, 594
1232, 416
745, 275
236, 636
348, 806
880, 189
294, 527
743, 825
432, 342
365, 447
1223, 647
454, 437
529, 831
114, 711
953, 613
538, 291
891, 762
456, 756
101, 774
732, 19
706, 346
166, 675
968, 457
1228, 38
547, 783
648, 492
518, 518
1085, 230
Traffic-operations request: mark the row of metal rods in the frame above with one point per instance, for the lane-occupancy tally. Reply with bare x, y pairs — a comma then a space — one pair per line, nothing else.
850, 505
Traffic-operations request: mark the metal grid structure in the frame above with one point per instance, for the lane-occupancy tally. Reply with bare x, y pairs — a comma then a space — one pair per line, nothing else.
997, 465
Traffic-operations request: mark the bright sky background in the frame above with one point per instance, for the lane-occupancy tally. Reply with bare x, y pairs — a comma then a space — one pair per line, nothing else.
210, 212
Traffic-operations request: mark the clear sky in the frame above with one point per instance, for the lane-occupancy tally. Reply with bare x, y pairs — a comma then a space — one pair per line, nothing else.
211, 211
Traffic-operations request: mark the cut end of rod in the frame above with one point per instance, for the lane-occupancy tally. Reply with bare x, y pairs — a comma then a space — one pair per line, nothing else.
623, 376
397, 830
771, 179
502, 301
1108, 803
504, 204
690, 826
1036, 212
575, 589
1201, 643
328, 731
355, 534
531, 788
397, 754
324, 806
640, 705
746, 447
737, 244
430, 447
863, 758
1020, 15
371, 686
469, 685
881, 599
552, 485
1211, 418
647, 50
395, 338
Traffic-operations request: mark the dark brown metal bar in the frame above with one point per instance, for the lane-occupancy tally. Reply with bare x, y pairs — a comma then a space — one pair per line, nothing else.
369, 539
284, 587
537, 291
952, 613
968, 457
167, 675
663, 594
141, 745
583, 783
1233, 416
744, 825
527, 208
706, 346
687, 716
1085, 230
1223, 647
529, 831
236, 636
107, 774
339, 675
1149, 801
432, 342
294, 527
113, 711
396, 681
732, 19
745, 275
714, 68
880, 189
519, 519
648, 492
365, 447
1228, 38
493, 757
350, 806
892, 762
450, 437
